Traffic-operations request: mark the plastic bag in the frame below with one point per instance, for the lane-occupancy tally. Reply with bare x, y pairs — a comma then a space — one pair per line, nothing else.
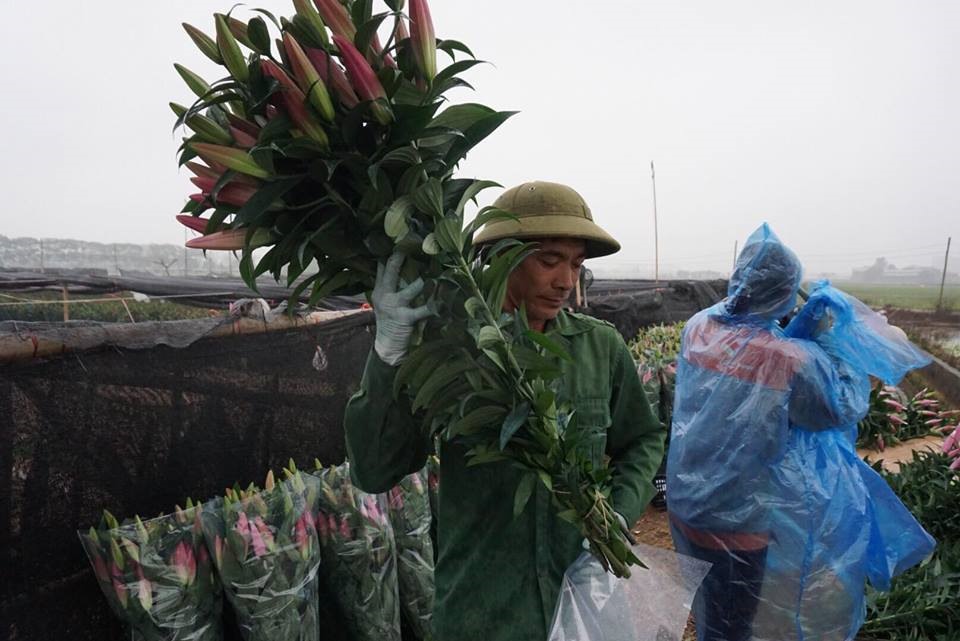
359, 557
409, 509
653, 604
265, 548
157, 577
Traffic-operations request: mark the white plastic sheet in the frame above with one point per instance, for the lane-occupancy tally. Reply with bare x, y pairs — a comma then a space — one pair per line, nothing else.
652, 605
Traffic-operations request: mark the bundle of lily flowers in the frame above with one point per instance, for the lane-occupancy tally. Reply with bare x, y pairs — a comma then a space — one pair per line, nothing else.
157, 576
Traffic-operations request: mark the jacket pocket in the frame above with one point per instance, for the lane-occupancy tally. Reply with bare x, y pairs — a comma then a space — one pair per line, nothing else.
593, 420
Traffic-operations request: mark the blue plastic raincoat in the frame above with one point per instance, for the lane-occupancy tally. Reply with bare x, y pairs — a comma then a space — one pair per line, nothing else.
762, 476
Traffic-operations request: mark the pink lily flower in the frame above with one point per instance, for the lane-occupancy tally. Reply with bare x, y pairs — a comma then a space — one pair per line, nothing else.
265, 534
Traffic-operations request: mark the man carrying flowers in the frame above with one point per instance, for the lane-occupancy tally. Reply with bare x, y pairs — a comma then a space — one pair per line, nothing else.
498, 575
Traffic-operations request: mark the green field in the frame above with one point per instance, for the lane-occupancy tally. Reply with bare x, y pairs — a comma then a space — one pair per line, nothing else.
48, 306
903, 296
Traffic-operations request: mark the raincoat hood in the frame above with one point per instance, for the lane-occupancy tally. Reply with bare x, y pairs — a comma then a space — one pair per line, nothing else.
766, 279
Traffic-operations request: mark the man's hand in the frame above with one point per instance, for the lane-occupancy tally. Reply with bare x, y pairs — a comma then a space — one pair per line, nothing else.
395, 318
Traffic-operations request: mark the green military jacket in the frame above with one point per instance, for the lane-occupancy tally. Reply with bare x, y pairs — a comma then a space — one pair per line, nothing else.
498, 577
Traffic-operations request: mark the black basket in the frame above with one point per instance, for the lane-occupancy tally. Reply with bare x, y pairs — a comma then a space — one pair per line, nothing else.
660, 498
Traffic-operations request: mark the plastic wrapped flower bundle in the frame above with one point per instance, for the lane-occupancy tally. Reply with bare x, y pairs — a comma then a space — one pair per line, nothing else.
359, 558
408, 507
157, 576
265, 549
332, 148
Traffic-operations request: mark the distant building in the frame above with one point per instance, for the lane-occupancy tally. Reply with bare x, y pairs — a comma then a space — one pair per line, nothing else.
883, 272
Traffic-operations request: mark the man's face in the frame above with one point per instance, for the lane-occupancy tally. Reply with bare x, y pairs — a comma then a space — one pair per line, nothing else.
544, 280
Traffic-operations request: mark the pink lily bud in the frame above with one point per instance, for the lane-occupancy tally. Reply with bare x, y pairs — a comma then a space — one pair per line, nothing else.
376, 55
256, 539
322, 528
364, 80
896, 420
400, 32
345, 528
308, 77
933, 421
230, 157
951, 441
294, 101
361, 75
423, 39
332, 524
144, 591
433, 481
894, 404
927, 402
233, 193
241, 138
333, 75
184, 563
218, 550
880, 443
336, 17
955, 465
119, 587
302, 538
266, 536
243, 125
100, 569
417, 483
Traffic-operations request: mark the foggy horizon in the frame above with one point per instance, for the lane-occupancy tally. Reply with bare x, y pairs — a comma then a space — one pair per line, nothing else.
836, 124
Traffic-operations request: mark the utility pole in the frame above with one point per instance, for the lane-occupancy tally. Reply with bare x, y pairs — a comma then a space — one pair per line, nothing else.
41, 256
734, 258
656, 239
943, 278
116, 259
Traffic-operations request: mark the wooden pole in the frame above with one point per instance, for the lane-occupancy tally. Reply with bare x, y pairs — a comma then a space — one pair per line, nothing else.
66, 303
656, 239
943, 278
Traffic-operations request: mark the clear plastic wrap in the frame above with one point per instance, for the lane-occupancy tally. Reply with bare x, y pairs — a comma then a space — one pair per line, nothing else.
265, 548
408, 505
157, 577
653, 604
359, 557
763, 478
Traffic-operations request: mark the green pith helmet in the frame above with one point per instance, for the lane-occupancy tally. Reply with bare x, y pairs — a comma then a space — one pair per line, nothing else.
547, 210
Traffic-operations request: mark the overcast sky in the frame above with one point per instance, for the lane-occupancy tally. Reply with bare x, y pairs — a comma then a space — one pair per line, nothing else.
836, 122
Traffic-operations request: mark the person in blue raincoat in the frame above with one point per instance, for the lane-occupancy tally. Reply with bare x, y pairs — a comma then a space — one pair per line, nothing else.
750, 402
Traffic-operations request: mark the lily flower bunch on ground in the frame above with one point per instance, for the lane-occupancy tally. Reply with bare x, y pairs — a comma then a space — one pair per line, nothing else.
359, 556
408, 506
266, 552
157, 575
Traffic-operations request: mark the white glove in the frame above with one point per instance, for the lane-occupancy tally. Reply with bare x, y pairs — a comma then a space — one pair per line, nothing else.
395, 318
